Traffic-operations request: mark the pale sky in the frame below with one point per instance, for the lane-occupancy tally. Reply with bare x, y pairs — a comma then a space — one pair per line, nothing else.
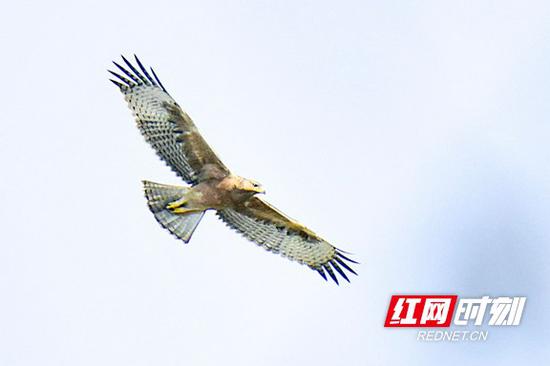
413, 134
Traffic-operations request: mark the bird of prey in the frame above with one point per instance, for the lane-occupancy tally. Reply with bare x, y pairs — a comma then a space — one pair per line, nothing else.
212, 186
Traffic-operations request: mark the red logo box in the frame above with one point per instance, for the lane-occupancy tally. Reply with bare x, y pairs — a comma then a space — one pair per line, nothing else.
420, 311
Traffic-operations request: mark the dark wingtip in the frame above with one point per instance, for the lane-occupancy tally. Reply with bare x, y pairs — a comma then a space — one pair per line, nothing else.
343, 251
136, 72
339, 270
338, 265
344, 264
118, 65
126, 62
120, 85
144, 70
331, 273
321, 272
122, 78
339, 253
134, 78
157, 79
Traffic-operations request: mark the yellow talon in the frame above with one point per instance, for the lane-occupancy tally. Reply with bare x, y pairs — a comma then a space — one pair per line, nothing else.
181, 210
176, 204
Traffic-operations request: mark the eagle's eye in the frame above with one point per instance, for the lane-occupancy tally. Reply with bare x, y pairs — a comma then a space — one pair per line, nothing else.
256, 185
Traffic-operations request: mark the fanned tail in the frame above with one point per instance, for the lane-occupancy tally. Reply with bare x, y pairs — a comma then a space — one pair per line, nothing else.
158, 197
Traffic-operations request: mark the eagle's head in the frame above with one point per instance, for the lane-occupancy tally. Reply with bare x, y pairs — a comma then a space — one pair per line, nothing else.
240, 188
249, 185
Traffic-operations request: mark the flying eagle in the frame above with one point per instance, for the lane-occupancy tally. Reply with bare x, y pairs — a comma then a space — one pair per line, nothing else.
174, 136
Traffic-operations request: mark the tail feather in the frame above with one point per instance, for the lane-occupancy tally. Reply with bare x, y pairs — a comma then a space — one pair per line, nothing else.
158, 197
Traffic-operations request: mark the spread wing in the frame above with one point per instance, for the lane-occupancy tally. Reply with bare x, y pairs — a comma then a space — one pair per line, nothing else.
263, 224
166, 126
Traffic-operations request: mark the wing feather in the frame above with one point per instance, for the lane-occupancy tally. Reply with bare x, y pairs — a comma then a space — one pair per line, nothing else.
168, 129
271, 229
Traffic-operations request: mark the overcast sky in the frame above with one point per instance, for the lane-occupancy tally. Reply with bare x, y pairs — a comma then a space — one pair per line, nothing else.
413, 134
